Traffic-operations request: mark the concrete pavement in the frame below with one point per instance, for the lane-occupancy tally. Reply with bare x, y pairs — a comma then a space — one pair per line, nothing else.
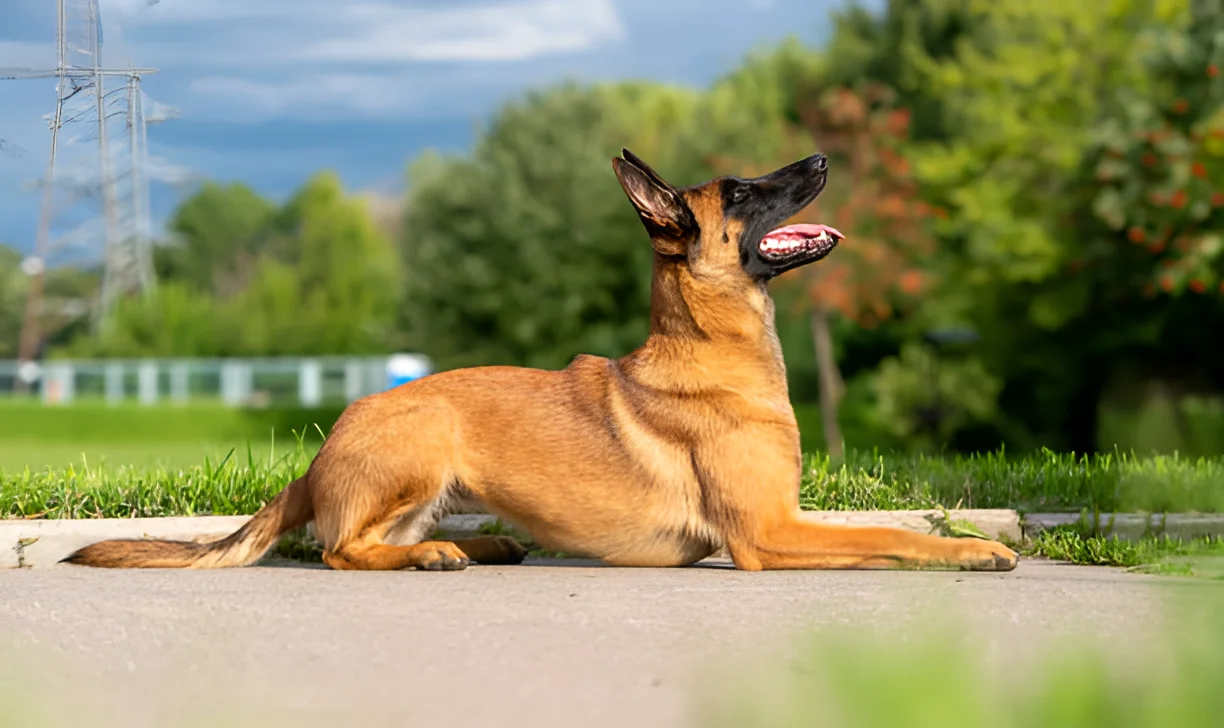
546, 644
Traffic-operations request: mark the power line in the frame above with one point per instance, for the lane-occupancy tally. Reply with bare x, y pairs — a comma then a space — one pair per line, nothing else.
127, 260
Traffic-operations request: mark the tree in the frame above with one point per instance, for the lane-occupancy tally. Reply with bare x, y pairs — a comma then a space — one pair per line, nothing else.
12, 300
66, 293
316, 278
1143, 276
215, 236
1008, 98
525, 251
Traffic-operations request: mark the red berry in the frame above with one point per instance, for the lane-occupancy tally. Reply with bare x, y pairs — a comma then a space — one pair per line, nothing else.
1136, 235
1198, 169
1178, 200
1213, 70
1198, 286
1181, 106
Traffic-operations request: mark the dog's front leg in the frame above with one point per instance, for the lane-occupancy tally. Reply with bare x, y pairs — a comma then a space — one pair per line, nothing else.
800, 542
750, 483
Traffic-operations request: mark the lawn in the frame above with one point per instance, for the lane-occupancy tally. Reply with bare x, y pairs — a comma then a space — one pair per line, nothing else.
98, 461
239, 481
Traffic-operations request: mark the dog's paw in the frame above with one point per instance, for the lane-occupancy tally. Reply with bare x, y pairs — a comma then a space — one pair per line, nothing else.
980, 555
442, 557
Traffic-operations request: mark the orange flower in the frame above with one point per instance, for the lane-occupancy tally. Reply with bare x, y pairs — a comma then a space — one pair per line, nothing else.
1198, 169
1198, 286
1181, 106
1149, 160
1213, 70
1136, 235
910, 282
1178, 200
1166, 282
1217, 199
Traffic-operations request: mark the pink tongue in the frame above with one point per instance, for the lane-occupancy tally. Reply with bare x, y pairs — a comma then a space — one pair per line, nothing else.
804, 230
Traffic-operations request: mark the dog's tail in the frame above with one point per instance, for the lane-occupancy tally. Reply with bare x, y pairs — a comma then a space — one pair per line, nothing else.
291, 508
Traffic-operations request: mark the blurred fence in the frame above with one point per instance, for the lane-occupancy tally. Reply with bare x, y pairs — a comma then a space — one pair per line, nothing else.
306, 382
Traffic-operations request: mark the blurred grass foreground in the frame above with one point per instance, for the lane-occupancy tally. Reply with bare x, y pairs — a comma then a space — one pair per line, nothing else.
939, 677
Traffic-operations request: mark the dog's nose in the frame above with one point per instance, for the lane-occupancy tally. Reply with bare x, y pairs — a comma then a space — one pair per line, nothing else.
822, 163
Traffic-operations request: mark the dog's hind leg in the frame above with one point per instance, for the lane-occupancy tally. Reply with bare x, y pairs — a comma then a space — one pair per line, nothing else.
491, 550
377, 556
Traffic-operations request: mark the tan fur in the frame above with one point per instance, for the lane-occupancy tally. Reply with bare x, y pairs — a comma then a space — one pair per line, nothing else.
658, 458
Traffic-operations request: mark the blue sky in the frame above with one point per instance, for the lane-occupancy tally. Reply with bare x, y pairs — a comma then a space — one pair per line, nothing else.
270, 91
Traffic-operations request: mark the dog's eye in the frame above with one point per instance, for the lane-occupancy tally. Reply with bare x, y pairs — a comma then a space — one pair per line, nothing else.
740, 194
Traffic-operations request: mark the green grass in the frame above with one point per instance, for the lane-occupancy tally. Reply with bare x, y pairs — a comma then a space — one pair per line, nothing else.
932, 674
1157, 555
97, 423
238, 483
241, 481
16, 455
1047, 481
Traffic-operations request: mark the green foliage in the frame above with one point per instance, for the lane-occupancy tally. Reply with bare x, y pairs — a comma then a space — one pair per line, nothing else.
526, 252
12, 301
65, 289
315, 277
216, 235
923, 401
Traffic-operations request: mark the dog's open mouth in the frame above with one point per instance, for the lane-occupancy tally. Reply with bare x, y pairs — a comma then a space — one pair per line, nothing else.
804, 239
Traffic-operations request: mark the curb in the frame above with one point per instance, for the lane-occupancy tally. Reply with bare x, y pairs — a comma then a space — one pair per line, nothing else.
1132, 526
45, 542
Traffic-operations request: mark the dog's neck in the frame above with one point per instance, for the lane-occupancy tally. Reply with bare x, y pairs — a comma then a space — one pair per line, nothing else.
710, 335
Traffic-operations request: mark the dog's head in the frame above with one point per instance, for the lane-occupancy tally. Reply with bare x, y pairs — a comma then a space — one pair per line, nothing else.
730, 226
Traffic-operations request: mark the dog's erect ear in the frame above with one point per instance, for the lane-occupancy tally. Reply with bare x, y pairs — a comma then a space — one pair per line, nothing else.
667, 218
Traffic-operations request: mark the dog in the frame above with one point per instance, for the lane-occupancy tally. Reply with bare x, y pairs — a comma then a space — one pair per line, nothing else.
662, 457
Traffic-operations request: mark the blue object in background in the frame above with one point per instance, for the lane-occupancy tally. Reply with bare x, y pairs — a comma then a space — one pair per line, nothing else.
403, 368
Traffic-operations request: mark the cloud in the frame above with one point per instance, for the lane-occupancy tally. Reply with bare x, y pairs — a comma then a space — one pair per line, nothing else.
250, 60
314, 96
511, 31
283, 32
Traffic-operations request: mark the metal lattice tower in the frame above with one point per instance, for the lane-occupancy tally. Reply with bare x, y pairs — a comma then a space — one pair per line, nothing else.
112, 174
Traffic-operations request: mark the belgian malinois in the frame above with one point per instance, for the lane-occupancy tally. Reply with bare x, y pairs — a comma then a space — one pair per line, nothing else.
658, 458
